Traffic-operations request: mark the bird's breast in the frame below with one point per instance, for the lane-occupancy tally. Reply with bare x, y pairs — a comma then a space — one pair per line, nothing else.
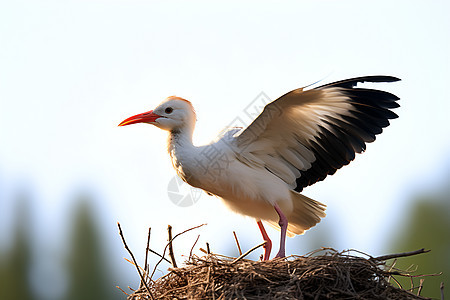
218, 170
208, 169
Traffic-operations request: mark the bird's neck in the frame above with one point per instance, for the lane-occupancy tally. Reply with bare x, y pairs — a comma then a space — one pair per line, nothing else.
180, 137
180, 146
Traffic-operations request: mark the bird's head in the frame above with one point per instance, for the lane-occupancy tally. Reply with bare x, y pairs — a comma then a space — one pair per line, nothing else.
172, 114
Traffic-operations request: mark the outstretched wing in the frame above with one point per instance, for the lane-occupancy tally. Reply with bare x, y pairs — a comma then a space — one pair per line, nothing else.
303, 136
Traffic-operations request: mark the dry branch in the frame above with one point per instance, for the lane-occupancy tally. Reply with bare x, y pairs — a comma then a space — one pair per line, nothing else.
404, 254
165, 248
195, 243
172, 256
135, 263
147, 249
248, 252
237, 243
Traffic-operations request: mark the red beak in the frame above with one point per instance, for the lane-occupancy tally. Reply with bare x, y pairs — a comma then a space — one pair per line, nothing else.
147, 117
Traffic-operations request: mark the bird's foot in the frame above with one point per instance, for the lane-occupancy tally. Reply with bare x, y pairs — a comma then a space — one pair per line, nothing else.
268, 245
267, 249
281, 254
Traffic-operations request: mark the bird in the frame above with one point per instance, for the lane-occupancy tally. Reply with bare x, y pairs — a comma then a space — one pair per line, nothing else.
298, 139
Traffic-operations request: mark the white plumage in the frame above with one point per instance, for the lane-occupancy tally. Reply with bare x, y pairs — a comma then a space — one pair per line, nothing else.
297, 140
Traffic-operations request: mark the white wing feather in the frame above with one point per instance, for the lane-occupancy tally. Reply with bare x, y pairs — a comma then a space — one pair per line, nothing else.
316, 131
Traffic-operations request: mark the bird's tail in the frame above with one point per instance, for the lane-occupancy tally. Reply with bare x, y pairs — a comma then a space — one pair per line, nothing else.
305, 214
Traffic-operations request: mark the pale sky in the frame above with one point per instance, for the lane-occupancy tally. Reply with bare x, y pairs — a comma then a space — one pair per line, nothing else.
70, 71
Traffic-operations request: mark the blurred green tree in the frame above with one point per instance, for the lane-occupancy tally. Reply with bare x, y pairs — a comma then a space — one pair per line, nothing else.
15, 262
428, 227
87, 268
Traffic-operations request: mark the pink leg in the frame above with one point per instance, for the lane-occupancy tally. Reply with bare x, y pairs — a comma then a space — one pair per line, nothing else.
283, 222
268, 246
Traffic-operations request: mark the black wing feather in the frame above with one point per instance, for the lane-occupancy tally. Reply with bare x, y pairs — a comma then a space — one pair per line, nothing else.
337, 145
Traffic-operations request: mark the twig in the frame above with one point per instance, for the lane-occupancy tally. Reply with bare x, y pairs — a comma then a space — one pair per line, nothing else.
352, 250
147, 249
390, 256
192, 249
122, 290
425, 275
237, 243
420, 286
167, 245
134, 260
248, 252
156, 253
442, 290
172, 256
390, 270
129, 261
207, 248
397, 282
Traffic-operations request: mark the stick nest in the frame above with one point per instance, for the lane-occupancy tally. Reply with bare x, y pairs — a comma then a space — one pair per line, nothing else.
322, 274
330, 275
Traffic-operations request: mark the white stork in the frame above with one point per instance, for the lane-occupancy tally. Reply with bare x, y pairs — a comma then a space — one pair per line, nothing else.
297, 140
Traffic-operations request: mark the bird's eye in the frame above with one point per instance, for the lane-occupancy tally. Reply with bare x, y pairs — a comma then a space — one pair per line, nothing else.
168, 110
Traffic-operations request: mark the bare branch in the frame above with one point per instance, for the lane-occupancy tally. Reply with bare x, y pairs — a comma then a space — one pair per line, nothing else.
172, 256
390, 256
146, 249
122, 290
156, 253
237, 242
134, 260
192, 249
167, 245
248, 252
420, 286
